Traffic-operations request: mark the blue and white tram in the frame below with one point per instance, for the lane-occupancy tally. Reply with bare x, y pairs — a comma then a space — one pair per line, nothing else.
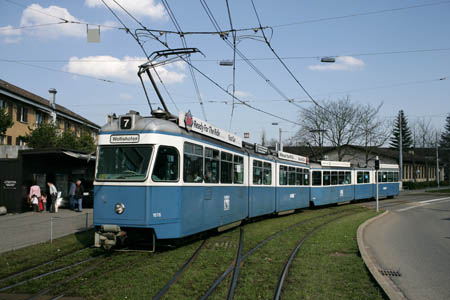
172, 178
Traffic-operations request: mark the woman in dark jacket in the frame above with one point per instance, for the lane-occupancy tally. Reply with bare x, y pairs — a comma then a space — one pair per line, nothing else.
79, 191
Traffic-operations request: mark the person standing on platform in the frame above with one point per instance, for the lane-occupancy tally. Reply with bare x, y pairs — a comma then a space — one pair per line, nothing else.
35, 194
79, 191
72, 200
53, 194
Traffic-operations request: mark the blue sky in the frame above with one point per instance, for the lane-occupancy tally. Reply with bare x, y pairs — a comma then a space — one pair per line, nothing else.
408, 81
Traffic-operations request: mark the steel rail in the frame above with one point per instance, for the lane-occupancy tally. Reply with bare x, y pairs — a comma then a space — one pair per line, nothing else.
236, 265
178, 274
74, 276
48, 273
265, 241
34, 267
295, 251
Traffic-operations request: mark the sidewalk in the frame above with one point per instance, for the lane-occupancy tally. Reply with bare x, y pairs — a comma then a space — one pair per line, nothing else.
21, 230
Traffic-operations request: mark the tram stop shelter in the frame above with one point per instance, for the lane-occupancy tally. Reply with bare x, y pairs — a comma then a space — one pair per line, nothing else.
40, 165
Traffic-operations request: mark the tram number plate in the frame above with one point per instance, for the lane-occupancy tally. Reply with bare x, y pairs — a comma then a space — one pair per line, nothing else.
125, 123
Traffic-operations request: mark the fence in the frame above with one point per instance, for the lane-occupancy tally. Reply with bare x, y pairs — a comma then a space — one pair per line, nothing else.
18, 231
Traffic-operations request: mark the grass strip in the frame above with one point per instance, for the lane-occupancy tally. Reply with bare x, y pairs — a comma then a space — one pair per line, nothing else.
330, 267
18, 260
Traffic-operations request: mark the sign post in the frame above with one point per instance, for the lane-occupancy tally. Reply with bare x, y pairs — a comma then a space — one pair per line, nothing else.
377, 167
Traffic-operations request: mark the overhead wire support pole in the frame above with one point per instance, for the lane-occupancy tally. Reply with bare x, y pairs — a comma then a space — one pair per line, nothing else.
234, 62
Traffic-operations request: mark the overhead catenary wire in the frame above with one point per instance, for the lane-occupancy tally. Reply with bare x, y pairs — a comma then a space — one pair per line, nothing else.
183, 40
250, 59
214, 82
264, 77
360, 14
282, 62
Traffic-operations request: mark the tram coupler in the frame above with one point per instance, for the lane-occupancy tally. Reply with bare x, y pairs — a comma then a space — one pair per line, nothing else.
109, 236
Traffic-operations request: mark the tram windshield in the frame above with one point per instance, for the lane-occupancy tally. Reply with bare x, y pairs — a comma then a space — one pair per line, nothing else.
123, 163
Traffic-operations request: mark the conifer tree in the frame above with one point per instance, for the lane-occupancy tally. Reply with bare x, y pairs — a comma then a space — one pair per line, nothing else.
445, 136
406, 133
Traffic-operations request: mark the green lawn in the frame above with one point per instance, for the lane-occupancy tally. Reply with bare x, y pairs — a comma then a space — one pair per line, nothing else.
328, 265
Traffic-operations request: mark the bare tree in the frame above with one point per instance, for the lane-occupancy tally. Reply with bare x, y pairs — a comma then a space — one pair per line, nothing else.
375, 131
334, 122
342, 119
424, 133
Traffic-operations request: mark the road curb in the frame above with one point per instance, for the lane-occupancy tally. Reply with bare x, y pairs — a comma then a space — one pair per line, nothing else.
386, 283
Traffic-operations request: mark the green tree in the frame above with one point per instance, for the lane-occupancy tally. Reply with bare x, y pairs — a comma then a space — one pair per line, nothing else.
5, 121
406, 133
68, 140
45, 136
444, 143
86, 142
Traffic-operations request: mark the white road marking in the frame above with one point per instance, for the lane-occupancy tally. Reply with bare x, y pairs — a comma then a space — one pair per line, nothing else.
423, 203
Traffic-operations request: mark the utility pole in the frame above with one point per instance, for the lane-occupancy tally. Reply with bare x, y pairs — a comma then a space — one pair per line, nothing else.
401, 151
437, 161
377, 167
281, 145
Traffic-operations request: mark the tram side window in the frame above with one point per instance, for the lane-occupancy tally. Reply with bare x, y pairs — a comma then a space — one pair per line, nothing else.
193, 163
306, 176
298, 176
283, 175
348, 177
226, 168
291, 175
267, 173
384, 179
341, 178
334, 177
212, 165
238, 169
395, 177
390, 176
366, 177
359, 177
257, 172
166, 164
316, 178
380, 176
326, 177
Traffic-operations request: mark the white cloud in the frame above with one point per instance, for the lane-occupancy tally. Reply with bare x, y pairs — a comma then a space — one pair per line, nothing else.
35, 14
138, 8
242, 94
31, 16
343, 63
10, 35
119, 69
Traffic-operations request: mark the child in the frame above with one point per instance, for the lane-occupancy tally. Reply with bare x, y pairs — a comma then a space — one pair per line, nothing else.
43, 201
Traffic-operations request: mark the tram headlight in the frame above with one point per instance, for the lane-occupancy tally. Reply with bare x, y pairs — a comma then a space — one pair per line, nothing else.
119, 208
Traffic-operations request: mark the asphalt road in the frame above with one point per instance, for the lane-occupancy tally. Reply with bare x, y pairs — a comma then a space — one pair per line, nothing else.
414, 239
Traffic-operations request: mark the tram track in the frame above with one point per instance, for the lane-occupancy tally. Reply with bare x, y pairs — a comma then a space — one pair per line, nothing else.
36, 266
231, 268
180, 272
294, 252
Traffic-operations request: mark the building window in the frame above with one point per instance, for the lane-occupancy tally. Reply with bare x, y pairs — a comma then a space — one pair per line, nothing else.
39, 119
8, 140
67, 125
22, 114
20, 141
